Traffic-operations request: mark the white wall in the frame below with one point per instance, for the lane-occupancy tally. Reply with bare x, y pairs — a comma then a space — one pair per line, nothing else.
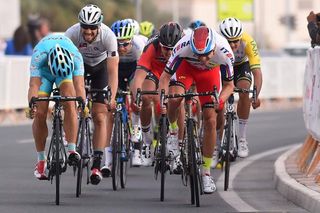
10, 17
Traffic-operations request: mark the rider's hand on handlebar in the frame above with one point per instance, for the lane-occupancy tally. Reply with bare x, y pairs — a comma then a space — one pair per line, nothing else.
219, 106
30, 112
111, 105
135, 107
256, 104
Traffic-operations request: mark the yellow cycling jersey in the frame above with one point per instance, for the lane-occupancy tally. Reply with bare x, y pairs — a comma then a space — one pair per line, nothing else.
248, 51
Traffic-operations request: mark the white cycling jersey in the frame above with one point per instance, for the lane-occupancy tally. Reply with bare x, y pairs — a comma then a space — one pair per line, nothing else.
223, 55
135, 52
104, 46
143, 38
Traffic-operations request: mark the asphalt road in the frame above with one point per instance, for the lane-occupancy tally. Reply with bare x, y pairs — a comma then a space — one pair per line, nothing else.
252, 188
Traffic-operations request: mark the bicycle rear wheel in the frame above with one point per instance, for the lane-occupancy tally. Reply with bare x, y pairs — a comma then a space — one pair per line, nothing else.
194, 174
116, 141
227, 153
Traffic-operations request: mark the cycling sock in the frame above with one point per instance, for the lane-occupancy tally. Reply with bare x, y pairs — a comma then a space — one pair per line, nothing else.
41, 155
147, 135
97, 155
243, 128
108, 155
71, 147
135, 119
173, 126
206, 165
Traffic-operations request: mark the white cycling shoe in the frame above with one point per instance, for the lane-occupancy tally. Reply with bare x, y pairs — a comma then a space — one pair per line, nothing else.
208, 184
136, 158
243, 150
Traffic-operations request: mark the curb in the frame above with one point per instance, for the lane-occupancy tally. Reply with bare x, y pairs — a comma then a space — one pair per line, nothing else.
291, 189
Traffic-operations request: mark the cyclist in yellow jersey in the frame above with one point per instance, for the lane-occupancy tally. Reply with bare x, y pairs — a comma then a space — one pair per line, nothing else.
247, 63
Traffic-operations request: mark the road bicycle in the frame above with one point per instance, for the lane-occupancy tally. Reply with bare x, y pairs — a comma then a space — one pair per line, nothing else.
229, 146
191, 154
57, 156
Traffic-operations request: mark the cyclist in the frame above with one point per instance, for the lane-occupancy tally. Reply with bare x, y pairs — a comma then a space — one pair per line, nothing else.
98, 46
130, 48
150, 66
137, 30
147, 29
55, 60
197, 58
247, 63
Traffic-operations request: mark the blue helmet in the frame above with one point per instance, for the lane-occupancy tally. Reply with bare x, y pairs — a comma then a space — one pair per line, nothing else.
123, 29
195, 24
60, 61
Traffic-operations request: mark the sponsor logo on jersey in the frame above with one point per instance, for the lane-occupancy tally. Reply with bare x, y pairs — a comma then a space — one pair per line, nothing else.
82, 45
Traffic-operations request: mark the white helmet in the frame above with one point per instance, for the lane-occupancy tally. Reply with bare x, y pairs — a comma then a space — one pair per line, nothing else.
231, 28
90, 15
136, 26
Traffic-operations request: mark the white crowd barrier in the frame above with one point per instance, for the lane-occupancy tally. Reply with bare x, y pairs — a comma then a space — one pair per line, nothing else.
311, 93
282, 78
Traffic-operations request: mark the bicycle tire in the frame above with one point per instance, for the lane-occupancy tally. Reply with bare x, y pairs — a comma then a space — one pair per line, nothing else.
227, 154
57, 158
163, 167
125, 149
80, 151
194, 180
89, 149
116, 140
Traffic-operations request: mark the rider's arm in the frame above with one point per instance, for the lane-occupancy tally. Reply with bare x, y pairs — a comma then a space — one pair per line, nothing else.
34, 85
138, 80
164, 81
78, 74
227, 90
112, 69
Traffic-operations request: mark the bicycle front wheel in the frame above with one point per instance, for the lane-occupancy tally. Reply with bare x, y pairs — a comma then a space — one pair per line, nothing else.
194, 173
80, 145
116, 141
227, 153
125, 150
163, 166
57, 140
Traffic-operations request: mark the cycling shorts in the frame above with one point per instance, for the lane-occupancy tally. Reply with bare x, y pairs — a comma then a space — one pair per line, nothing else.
97, 78
47, 81
241, 72
205, 80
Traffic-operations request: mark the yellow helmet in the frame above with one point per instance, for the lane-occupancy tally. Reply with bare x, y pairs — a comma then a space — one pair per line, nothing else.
146, 28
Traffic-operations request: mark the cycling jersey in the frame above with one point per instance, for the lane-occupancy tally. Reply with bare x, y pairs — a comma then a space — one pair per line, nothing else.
152, 59
247, 51
39, 61
128, 62
223, 55
104, 45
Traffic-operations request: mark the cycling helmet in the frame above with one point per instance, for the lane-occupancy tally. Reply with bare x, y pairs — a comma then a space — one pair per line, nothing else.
197, 23
146, 28
170, 34
231, 28
203, 40
135, 25
90, 15
123, 29
60, 61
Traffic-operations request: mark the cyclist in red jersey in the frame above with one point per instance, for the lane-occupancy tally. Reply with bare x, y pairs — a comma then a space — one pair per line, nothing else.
197, 58
150, 66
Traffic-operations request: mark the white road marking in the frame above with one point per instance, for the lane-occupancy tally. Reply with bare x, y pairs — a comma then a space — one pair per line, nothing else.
230, 196
29, 140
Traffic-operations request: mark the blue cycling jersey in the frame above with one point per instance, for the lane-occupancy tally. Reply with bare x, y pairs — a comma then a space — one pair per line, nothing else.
39, 61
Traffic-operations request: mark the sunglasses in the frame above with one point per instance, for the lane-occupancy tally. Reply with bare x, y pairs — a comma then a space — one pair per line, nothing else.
91, 27
166, 47
234, 41
204, 55
124, 44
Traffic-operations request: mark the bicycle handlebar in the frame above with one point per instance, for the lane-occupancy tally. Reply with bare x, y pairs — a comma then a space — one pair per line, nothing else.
56, 98
253, 91
140, 93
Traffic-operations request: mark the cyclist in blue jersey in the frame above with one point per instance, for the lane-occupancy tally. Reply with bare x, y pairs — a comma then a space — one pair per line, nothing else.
55, 60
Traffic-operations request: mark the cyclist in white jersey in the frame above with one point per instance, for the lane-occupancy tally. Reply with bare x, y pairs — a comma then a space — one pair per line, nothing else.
196, 58
130, 48
98, 46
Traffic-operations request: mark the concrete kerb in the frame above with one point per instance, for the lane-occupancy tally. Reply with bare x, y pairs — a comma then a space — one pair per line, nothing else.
293, 190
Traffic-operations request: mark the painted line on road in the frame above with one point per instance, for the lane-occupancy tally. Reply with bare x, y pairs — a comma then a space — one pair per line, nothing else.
230, 196
30, 140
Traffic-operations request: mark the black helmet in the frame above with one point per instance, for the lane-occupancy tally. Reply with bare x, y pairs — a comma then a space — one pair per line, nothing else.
170, 34
197, 23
